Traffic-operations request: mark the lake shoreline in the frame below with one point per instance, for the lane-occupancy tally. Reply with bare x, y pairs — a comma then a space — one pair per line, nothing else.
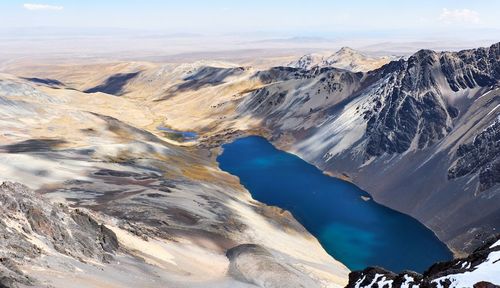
342, 176
366, 194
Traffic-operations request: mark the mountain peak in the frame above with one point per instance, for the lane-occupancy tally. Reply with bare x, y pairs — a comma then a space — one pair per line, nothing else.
345, 58
347, 50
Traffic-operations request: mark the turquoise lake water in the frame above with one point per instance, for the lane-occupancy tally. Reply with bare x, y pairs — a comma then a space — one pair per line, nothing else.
356, 232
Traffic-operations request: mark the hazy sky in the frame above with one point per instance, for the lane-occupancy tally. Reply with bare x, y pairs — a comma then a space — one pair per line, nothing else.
148, 28
298, 17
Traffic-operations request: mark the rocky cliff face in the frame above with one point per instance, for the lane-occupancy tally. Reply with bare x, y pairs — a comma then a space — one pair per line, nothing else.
478, 270
32, 227
416, 105
480, 156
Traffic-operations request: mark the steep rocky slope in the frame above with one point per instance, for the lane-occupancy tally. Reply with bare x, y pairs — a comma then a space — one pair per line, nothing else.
32, 228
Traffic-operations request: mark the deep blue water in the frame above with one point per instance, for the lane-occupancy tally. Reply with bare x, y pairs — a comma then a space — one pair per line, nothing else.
356, 232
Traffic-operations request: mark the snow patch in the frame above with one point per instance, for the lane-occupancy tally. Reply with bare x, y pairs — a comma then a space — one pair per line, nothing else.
488, 271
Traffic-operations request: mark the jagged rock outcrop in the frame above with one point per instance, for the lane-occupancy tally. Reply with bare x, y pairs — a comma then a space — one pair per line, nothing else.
471, 68
411, 108
31, 227
416, 106
479, 269
481, 154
